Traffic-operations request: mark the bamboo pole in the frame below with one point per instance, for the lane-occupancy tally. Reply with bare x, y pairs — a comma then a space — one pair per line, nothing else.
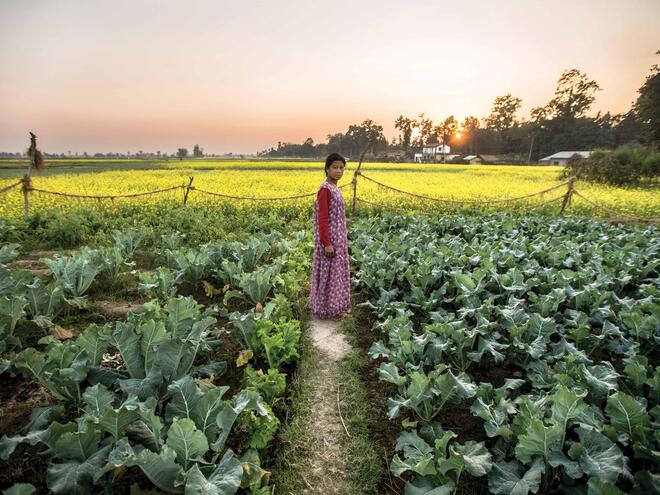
185, 195
34, 154
356, 173
567, 197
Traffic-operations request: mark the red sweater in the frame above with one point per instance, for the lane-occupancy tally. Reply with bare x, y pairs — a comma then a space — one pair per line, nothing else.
323, 198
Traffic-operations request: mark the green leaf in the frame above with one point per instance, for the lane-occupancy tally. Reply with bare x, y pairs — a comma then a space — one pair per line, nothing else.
597, 487
153, 335
49, 435
185, 395
206, 409
115, 421
429, 486
566, 407
77, 445
598, 456
94, 341
225, 479
629, 417
508, 478
182, 312
161, 469
418, 455
476, 457
225, 419
189, 443
253, 474
465, 282
127, 342
496, 422
388, 372
42, 417
601, 379
143, 388
537, 441
147, 430
172, 358
76, 477
648, 483
20, 489
98, 399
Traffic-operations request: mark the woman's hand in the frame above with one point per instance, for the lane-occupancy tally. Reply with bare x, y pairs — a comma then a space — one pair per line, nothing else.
329, 251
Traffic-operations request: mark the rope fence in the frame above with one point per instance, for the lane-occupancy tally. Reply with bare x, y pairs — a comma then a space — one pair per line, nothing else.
10, 186
623, 216
465, 201
105, 196
250, 198
27, 188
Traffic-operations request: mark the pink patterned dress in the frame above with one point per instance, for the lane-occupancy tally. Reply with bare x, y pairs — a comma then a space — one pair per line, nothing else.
331, 289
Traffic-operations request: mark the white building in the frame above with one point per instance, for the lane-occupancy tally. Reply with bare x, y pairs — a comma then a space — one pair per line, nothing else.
561, 158
433, 152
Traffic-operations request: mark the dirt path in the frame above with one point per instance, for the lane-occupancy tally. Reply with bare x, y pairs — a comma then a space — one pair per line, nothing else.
329, 468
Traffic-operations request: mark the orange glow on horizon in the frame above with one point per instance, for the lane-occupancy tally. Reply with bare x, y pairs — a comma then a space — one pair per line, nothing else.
240, 77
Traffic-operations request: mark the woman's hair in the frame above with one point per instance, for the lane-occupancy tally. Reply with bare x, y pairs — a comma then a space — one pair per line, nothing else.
333, 157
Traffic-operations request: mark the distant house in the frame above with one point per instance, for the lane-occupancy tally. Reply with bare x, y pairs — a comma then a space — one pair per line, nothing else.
491, 159
561, 158
433, 152
473, 159
453, 158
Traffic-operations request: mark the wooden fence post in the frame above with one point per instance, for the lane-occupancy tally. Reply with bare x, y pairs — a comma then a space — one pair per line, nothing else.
185, 195
354, 191
567, 197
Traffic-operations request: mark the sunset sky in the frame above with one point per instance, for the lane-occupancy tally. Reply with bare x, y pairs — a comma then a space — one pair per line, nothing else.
125, 75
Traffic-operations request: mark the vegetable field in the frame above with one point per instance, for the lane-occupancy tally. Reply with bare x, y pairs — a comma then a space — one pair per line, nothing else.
521, 355
182, 394
161, 344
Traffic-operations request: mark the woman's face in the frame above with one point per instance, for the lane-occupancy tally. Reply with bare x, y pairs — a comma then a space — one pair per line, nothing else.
336, 170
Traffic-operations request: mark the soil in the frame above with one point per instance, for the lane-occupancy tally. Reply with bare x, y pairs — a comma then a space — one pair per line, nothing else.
384, 431
18, 397
25, 466
115, 310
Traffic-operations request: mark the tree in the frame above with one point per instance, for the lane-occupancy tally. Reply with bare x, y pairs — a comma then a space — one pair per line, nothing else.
445, 131
336, 143
405, 126
181, 153
503, 114
424, 128
307, 148
470, 127
647, 106
573, 96
357, 137
197, 151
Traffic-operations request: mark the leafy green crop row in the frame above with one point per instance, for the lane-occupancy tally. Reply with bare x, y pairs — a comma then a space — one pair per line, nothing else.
164, 408
544, 332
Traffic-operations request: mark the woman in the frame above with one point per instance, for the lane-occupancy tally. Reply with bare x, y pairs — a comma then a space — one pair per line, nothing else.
331, 291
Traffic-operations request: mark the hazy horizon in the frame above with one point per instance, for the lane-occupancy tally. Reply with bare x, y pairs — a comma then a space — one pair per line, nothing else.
157, 75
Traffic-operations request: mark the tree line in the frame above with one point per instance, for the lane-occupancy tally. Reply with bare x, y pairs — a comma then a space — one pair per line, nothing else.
561, 124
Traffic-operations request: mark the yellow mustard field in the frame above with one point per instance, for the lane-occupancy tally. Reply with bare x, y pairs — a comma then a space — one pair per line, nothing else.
276, 179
